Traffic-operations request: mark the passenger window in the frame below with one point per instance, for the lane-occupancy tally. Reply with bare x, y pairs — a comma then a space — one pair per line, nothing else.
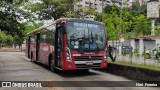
33, 40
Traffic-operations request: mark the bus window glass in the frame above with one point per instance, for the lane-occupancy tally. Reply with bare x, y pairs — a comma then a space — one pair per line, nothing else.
87, 36
33, 40
47, 35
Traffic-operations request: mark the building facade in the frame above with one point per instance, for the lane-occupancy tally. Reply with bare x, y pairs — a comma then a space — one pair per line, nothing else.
97, 4
142, 2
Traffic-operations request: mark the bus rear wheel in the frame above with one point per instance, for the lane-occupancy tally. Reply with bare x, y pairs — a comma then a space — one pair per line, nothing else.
52, 66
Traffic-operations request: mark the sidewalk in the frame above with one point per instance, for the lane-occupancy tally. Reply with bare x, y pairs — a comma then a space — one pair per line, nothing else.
6, 49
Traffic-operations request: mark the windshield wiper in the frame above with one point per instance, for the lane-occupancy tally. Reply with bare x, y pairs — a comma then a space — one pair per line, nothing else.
97, 47
82, 43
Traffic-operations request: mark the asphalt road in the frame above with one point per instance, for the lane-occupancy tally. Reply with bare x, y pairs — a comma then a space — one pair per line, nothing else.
14, 66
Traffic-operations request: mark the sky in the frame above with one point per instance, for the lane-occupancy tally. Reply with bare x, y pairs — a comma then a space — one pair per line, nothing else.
130, 0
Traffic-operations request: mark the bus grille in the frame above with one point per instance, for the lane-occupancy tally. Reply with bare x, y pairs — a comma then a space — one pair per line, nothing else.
87, 58
83, 66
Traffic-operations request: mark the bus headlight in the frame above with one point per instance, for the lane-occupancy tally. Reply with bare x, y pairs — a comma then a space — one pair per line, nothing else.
68, 55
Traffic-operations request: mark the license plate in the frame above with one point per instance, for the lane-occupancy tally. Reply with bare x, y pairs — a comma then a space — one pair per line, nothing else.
89, 63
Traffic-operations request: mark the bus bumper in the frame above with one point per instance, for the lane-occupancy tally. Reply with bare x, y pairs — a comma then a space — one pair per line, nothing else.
84, 65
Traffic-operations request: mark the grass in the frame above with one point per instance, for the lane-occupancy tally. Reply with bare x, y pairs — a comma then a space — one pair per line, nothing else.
146, 66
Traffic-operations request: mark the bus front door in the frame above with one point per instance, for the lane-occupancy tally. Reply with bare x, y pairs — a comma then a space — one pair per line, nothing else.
59, 47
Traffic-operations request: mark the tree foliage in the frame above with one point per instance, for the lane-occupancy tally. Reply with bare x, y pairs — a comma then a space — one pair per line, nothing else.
49, 9
81, 12
5, 40
139, 9
118, 21
141, 25
125, 22
11, 18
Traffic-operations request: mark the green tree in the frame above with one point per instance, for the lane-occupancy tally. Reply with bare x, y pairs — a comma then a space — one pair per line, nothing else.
2, 38
30, 26
11, 20
49, 9
112, 8
11, 17
116, 26
157, 29
118, 21
98, 17
81, 12
141, 25
8, 40
138, 9
112, 25
5, 39
17, 40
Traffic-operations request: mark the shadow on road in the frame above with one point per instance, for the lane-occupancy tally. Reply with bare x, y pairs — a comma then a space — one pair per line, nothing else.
74, 73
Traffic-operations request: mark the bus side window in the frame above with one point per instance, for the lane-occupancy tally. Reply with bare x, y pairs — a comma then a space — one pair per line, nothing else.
33, 40
60, 37
47, 37
50, 37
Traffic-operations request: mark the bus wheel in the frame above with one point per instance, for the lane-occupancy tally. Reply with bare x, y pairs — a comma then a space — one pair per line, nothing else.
51, 66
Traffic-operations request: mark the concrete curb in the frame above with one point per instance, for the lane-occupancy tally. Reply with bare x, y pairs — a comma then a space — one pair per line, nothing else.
134, 72
10, 51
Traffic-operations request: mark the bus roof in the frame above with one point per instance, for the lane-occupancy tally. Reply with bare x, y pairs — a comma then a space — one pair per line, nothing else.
63, 19
83, 20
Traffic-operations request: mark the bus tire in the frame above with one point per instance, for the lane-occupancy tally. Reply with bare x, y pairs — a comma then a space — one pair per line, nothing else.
51, 65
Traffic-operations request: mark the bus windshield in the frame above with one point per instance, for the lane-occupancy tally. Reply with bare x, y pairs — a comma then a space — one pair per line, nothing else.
85, 36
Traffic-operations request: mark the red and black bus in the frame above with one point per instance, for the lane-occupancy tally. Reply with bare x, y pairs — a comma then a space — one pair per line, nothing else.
68, 44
